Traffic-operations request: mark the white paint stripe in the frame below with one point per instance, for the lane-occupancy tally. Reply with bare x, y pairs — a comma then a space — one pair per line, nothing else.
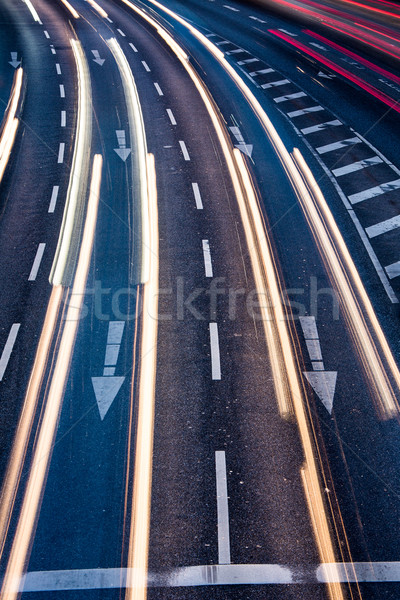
236, 51
63, 118
318, 366
357, 166
223, 43
58, 69
314, 349
121, 32
289, 97
266, 86
213, 575
288, 32
115, 332
53, 51
112, 351
224, 551
53, 199
62, 90
46, 33
5, 356
262, 72
247, 61
133, 47
146, 66
375, 191
197, 196
231, 8
338, 145
304, 111
383, 227
61, 151
159, 90
215, 357
36, 262
393, 270
108, 19
171, 116
108, 371
184, 150
309, 328
207, 258
321, 127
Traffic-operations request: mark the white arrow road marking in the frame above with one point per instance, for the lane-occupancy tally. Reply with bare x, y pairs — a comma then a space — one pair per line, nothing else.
324, 385
123, 152
97, 59
245, 148
241, 145
107, 387
323, 382
14, 62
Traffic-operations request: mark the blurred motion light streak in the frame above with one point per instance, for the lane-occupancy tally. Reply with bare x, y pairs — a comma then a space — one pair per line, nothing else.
97, 7
46, 434
70, 8
11, 122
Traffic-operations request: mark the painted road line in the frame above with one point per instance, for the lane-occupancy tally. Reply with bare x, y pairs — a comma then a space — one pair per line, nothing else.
314, 349
338, 145
197, 196
61, 150
304, 111
112, 351
62, 90
159, 90
248, 61
223, 43
374, 191
290, 97
383, 227
266, 86
46, 33
63, 118
215, 356
320, 127
171, 116
36, 262
288, 32
115, 332
253, 18
184, 150
224, 550
52, 49
121, 33
146, 66
393, 270
236, 51
231, 8
309, 328
133, 47
58, 69
261, 72
357, 166
5, 356
108, 19
207, 258
53, 199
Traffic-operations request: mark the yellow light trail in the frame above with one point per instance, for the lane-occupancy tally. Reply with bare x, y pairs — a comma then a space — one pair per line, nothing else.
52, 408
97, 7
70, 8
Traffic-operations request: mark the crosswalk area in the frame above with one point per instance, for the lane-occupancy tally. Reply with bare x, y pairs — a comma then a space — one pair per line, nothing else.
369, 182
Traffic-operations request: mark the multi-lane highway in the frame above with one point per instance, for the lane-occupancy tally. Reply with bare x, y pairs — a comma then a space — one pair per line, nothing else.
199, 299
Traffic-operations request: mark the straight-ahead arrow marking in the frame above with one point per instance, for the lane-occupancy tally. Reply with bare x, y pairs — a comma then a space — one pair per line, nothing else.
241, 145
14, 62
97, 59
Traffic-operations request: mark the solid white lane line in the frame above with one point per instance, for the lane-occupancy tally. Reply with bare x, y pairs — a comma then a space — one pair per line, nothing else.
338, 145
321, 127
53, 199
159, 90
133, 47
61, 151
184, 150
46, 33
215, 356
357, 166
62, 90
224, 550
197, 196
378, 190
207, 258
5, 356
58, 69
121, 33
393, 270
309, 328
266, 86
36, 262
146, 66
63, 118
261, 72
289, 97
171, 116
383, 227
304, 111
